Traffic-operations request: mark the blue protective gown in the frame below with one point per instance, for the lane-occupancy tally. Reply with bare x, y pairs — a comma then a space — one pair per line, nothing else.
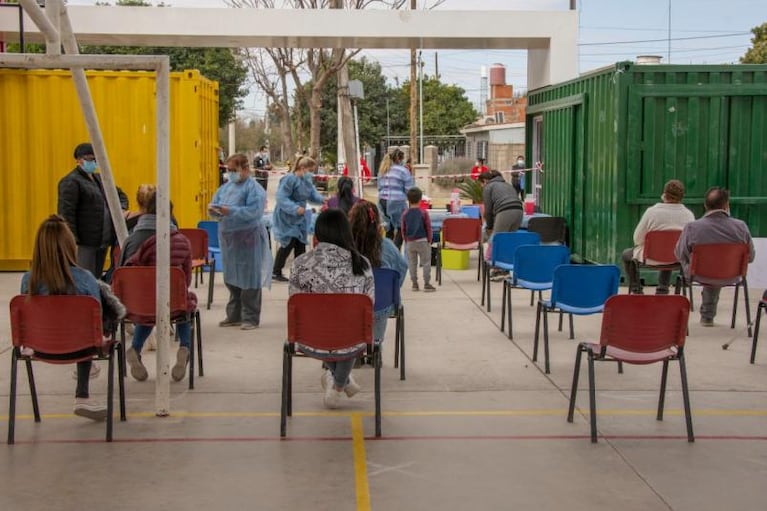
246, 257
293, 192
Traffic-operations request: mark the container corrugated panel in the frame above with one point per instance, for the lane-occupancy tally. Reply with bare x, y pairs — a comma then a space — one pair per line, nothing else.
637, 127
41, 123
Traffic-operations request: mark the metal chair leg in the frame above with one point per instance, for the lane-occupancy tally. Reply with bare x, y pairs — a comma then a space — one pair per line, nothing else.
592, 399
662, 397
12, 398
574, 388
755, 338
33, 390
377, 388
686, 397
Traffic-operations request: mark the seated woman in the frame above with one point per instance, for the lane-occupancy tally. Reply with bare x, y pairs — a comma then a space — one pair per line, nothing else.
370, 241
54, 271
140, 249
344, 198
334, 266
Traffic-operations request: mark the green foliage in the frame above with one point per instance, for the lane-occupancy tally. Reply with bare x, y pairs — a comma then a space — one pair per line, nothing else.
757, 54
471, 190
446, 109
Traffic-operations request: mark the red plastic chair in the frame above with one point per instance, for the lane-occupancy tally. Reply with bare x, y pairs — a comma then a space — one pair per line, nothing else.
719, 262
135, 286
460, 234
658, 252
328, 322
201, 257
638, 329
60, 329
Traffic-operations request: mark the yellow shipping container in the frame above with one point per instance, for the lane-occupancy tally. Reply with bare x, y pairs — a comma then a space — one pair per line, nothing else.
41, 123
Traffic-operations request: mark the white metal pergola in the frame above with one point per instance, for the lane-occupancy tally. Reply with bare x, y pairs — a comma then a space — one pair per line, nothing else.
550, 38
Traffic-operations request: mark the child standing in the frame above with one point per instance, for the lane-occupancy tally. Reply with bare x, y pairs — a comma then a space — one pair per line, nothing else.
416, 231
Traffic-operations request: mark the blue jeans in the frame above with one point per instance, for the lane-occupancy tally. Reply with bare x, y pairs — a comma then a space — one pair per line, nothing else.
341, 370
141, 332
380, 318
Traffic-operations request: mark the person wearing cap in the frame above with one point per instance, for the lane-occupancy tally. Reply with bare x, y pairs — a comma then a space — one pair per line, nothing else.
668, 215
83, 205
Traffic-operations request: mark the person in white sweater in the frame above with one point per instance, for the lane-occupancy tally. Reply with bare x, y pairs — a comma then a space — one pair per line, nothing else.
668, 215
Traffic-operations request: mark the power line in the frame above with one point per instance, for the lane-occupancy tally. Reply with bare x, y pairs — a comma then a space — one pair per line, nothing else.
735, 34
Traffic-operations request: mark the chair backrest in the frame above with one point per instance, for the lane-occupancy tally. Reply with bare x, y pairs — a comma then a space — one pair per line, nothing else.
719, 261
387, 288
659, 246
645, 323
585, 287
198, 239
536, 263
57, 324
472, 211
461, 231
551, 228
330, 321
506, 243
212, 229
135, 286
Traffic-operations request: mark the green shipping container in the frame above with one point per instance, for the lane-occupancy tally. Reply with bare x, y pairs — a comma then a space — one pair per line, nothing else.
610, 139
41, 123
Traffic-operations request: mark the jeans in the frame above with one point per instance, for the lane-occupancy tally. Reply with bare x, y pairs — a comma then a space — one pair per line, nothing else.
341, 370
92, 259
141, 333
380, 318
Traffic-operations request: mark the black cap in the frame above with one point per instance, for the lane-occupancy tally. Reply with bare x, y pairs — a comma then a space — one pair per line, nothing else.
85, 149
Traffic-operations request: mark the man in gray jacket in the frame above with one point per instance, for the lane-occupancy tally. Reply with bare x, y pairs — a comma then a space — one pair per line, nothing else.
716, 226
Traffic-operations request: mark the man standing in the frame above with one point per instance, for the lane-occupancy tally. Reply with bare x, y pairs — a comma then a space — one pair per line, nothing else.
82, 203
668, 215
262, 165
716, 226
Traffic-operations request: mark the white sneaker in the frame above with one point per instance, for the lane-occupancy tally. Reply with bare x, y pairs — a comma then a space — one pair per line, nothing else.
95, 372
182, 359
326, 380
352, 387
137, 369
84, 407
332, 398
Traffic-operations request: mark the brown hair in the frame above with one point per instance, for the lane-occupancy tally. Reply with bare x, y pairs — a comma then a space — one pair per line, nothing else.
717, 198
143, 194
304, 162
239, 159
366, 231
389, 159
54, 254
674, 191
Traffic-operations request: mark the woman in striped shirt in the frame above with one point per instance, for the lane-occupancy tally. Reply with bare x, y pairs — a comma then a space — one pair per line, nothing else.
394, 181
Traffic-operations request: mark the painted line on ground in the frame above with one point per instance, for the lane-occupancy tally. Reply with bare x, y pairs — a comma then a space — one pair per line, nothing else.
401, 438
360, 464
703, 412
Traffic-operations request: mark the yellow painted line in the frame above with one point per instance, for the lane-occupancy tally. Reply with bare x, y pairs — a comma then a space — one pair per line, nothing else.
360, 464
702, 412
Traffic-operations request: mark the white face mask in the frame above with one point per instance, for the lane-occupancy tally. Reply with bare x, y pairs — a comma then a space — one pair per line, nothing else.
521, 163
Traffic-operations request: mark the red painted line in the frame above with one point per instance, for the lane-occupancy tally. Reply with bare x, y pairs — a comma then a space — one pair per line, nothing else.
397, 438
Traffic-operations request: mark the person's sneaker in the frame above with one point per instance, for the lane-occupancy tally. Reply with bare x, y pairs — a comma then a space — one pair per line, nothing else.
428, 288
84, 407
707, 321
415, 287
279, 277
352, 387
661, 291
95, 371
326, 380
137, 369
229, 322
636, 291
332, 397
182, 359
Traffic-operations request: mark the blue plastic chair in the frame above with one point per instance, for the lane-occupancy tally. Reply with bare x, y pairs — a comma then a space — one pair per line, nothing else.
388, 294
504, 245
213, 246
580, 289
534, 267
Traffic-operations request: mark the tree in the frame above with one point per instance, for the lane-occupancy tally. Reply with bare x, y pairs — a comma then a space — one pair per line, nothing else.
757, 54
446, 109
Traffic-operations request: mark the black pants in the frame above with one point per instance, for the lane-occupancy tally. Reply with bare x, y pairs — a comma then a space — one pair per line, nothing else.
283, 253
83, 378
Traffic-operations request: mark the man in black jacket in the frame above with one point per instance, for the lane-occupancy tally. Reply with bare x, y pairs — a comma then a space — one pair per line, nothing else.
82, 203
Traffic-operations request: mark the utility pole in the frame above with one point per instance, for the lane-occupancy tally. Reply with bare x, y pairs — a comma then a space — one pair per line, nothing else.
420, 106
413, 101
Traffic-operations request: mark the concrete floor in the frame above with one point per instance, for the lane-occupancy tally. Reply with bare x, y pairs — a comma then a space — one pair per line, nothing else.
476, 424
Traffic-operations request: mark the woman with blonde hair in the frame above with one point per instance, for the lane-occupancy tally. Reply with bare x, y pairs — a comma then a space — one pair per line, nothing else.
54, 271
394, 181
290, 224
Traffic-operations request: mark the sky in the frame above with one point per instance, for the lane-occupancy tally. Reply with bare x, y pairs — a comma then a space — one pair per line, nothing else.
701, 32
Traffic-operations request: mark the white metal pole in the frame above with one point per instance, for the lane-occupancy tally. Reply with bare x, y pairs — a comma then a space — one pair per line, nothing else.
357, 152
162, 386
340, 151
39, 18
232, 137
52, 11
